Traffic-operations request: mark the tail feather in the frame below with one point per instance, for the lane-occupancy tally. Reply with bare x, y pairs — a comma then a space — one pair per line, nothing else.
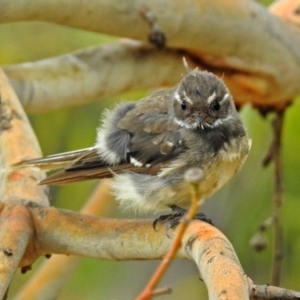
71, 175
56, 161
79, 165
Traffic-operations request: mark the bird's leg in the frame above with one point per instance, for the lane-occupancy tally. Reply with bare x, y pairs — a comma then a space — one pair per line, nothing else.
174, 218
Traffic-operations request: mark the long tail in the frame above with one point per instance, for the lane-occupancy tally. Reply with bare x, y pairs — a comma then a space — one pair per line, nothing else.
56, 161
76, 166
81, 174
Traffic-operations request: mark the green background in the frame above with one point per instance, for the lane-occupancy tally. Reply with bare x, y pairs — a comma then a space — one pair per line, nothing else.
238, 209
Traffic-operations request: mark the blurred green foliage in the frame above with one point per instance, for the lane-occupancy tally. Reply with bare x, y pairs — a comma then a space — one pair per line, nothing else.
238, 209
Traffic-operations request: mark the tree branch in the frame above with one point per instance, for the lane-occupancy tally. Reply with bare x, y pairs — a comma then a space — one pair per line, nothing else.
93, 73
59, 231
51, 277
65, 232
259, 292
288, 10
218, 37
17, 141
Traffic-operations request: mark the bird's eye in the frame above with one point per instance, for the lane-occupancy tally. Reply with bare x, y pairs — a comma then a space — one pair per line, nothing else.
183, 105
216, 105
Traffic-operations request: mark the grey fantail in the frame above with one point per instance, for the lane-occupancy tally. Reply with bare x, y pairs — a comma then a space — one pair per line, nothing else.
147, 146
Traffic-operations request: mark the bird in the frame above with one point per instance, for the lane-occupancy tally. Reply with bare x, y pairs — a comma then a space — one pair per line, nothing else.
147, 146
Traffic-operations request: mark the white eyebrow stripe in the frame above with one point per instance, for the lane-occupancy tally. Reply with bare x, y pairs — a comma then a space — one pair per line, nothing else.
188, 99
177, 97
224, 98
211, 98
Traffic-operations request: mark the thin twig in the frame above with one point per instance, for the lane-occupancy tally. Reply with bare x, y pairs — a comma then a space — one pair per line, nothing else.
272, 292
149, 290
278, 197
162, 291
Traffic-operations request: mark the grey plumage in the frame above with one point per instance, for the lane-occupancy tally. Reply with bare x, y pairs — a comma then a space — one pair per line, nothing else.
147, 146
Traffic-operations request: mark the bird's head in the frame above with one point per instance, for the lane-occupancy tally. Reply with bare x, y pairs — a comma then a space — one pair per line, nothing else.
202, 101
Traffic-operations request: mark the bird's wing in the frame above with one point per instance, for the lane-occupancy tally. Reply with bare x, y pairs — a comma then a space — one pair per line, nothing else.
155, 137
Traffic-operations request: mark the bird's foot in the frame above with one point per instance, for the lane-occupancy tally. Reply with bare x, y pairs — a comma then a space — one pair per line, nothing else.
173, 219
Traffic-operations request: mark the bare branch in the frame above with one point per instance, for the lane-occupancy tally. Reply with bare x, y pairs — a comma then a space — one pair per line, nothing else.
288, 10
15, 234
17, 141
243, 41
260, 292
96, 72
51, 277
59, 231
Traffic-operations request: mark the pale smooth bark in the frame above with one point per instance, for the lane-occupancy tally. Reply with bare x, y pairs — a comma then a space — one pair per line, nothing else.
255, 52
93, 73
51, 277
17, 141
65, 232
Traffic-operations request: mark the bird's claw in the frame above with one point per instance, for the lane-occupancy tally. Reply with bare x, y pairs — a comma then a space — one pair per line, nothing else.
174, 218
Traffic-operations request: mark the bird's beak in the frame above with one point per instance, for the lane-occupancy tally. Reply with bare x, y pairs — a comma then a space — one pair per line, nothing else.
198, 118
